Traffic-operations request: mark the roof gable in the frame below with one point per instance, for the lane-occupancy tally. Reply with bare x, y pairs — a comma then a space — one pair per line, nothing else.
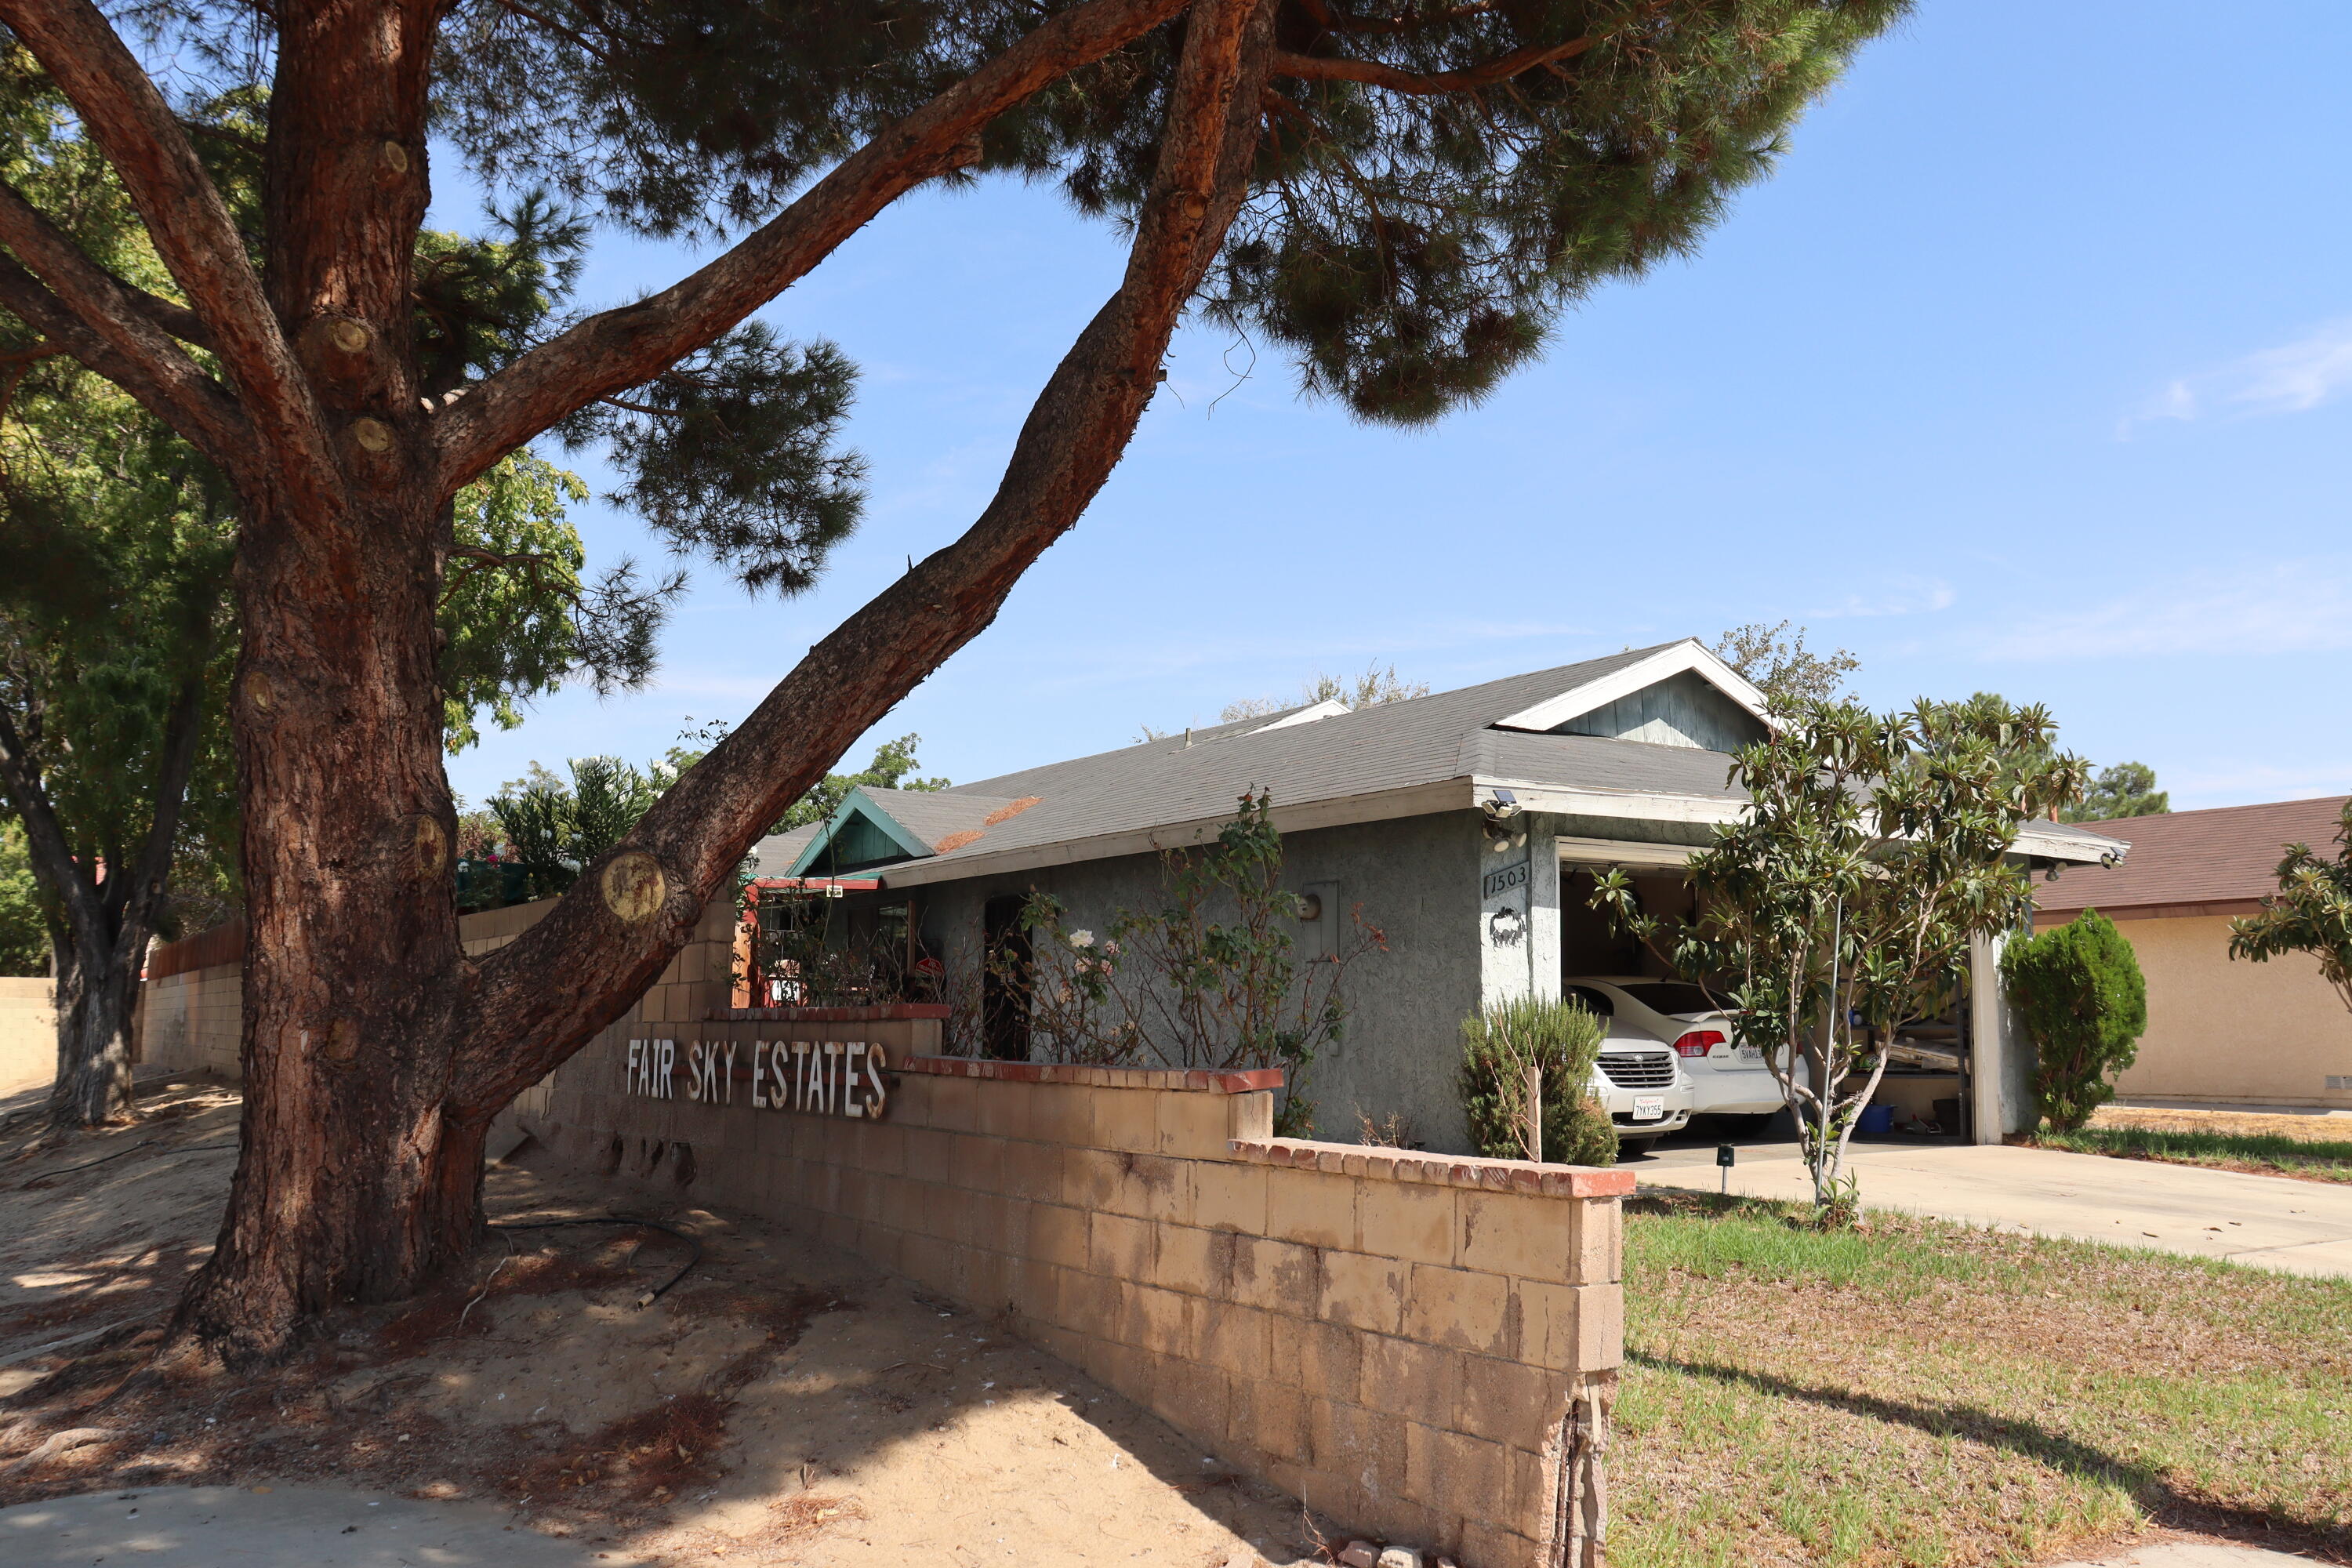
1679, 695
887, 827
859, 832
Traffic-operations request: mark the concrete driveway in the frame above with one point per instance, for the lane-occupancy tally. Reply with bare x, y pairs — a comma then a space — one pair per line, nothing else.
2268, 1222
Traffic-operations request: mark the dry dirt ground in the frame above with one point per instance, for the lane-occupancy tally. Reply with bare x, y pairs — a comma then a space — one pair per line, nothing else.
780, 1402
2241, 1123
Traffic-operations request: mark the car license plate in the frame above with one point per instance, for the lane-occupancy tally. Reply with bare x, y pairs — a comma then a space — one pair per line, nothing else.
1751, 1052
1649, 1107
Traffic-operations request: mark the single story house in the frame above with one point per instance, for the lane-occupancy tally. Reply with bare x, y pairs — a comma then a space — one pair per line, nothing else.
2219, 1031
1462, 825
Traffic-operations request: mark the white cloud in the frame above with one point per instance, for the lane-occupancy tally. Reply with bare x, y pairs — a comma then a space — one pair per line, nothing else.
2292, 378
2298, 375
2292, 607
1903, 596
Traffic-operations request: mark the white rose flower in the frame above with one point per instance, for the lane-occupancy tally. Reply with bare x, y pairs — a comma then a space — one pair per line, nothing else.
1082, 939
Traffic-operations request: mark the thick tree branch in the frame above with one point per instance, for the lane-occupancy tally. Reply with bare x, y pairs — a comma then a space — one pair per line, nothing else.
51, 252
149, 151
1336, 68
44, 840
1075, 435
154, 369
623, 348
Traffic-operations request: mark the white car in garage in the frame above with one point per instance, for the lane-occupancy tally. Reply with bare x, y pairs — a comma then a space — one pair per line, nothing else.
1638, 1080
1727, 1080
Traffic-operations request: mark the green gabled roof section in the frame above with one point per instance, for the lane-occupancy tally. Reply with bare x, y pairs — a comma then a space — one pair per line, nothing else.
858, 834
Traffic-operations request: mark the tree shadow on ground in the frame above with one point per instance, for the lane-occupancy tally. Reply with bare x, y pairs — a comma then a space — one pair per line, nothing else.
2164, 1500
780, 1392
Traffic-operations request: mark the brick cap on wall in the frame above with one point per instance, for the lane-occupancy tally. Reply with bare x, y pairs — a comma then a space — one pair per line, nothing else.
1196, 1080
832, 1015
1441, 1170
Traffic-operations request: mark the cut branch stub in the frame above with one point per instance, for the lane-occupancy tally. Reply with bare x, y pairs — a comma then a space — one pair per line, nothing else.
634, 887
431, 845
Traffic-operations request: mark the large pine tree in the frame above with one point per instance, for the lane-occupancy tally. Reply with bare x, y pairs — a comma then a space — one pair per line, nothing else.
1403, 193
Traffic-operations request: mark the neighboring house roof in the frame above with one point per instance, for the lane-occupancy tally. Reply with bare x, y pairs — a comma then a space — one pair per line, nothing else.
2219, 862
1325, 766
920, 823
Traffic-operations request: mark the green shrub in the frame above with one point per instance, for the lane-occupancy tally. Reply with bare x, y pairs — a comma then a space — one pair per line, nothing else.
2078, 991
1563, 1040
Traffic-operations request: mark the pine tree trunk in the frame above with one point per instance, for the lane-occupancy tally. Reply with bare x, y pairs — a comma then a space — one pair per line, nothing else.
375, 1053
358, 1181
96, 994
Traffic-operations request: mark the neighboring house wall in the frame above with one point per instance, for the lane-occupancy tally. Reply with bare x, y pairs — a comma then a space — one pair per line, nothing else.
1416, 878
28, 1033
2230, 1032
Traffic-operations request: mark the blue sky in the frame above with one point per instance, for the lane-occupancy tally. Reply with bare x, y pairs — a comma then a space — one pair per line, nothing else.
2030, 372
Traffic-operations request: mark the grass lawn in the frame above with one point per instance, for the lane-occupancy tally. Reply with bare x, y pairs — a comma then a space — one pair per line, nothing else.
1922, 1392
2264, 1153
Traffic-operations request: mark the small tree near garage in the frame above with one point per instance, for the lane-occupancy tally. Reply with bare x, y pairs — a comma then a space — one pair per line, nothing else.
2079, 992
1843, 903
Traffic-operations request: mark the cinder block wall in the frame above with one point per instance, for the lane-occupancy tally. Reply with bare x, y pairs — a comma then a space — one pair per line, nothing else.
192, 1020
1419, 1346
1424, 1347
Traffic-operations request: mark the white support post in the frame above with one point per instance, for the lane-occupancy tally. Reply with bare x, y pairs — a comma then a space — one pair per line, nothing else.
2001, 1061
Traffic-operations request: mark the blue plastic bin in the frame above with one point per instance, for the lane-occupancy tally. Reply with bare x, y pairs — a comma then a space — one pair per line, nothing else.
1875, 1121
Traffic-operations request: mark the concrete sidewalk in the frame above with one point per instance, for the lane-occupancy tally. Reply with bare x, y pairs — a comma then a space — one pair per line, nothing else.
2268, 1222
2197, 1554
332, 1527
281, 1527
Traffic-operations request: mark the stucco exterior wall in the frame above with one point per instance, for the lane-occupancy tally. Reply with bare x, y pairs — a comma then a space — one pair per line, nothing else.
1417, 879
2231, 1033
28, 1033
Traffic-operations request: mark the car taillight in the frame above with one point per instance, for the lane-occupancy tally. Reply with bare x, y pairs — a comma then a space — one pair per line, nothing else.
1698, 1042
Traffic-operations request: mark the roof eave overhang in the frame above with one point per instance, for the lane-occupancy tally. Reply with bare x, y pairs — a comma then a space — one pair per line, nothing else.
1299, 816
1294, 817
2056, 841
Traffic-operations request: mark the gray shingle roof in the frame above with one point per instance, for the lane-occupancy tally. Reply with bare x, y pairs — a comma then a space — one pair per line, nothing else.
1392, 745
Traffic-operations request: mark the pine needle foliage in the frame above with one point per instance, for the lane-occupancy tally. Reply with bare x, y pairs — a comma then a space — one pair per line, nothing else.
1438, 183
